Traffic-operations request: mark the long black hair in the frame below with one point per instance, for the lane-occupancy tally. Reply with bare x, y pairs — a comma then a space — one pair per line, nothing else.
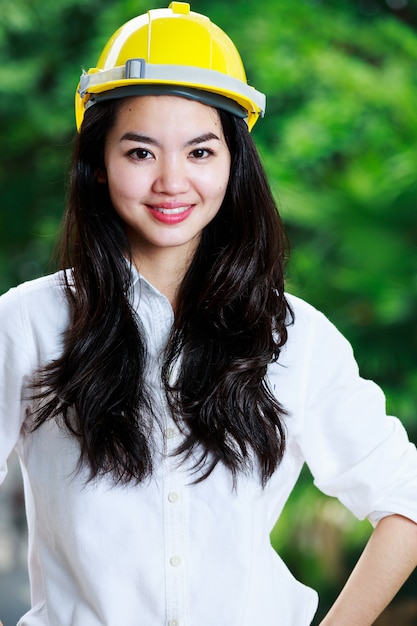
230, 323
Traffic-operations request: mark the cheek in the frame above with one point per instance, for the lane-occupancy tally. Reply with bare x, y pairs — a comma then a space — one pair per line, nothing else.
219, 181
226, 173
222, 186
122, 186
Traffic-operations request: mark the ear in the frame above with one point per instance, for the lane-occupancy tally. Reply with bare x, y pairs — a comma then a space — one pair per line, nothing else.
101, 176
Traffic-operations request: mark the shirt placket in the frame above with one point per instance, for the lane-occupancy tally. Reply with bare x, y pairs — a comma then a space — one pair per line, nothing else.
175, 534
175, 501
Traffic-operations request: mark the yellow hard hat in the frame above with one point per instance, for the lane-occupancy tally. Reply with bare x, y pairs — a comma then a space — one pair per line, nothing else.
174, 51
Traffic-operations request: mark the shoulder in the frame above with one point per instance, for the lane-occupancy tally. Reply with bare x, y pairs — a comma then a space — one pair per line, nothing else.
311, 331
301, 308
34, 292
35, 308
303, 318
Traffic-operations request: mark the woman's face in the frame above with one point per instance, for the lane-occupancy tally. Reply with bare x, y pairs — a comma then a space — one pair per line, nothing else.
167, 167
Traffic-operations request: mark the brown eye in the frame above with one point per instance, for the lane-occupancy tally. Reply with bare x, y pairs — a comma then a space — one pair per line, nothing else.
201, 153
140, 154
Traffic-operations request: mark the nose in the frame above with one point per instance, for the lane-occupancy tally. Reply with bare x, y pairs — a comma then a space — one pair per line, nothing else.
171, 176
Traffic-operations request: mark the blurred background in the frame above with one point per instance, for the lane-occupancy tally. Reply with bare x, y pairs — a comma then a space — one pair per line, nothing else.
339, 143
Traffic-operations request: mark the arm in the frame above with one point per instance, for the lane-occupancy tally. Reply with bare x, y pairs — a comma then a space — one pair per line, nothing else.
387, 561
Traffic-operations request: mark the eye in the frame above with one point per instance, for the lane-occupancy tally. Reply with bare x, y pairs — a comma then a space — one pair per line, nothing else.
140, 154
201, 153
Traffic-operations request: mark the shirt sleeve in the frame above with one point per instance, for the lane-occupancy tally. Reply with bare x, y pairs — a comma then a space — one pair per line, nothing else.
354, 450
15, 372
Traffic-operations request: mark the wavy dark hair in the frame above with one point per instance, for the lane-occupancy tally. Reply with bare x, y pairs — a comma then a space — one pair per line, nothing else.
231, 322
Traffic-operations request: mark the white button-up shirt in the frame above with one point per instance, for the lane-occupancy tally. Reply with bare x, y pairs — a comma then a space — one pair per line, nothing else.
168, 552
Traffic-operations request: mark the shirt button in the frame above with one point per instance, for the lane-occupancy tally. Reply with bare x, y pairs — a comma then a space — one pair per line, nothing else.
173, 622
170, 433
173, 497
175, 561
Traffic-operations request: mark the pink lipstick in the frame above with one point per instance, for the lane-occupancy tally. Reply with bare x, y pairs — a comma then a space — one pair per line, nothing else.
170, 212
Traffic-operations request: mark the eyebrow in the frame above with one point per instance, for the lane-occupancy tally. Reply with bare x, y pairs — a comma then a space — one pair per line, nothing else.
153, 142
139, 138
202, 139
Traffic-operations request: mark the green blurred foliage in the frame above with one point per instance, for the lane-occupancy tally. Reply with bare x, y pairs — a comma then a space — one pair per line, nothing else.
339, 142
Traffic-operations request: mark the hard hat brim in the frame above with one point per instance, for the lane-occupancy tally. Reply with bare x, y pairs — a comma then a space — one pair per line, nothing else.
206, 97
216, 88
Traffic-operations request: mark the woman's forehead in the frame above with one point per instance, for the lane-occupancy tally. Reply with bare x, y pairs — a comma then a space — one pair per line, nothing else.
167, 114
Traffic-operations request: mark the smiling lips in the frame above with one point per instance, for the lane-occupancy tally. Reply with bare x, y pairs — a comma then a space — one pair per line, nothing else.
170, 212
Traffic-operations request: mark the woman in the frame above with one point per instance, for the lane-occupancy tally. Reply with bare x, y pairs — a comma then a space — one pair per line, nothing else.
163, 392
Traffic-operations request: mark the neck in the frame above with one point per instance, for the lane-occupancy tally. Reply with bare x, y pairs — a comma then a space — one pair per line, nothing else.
164, 271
